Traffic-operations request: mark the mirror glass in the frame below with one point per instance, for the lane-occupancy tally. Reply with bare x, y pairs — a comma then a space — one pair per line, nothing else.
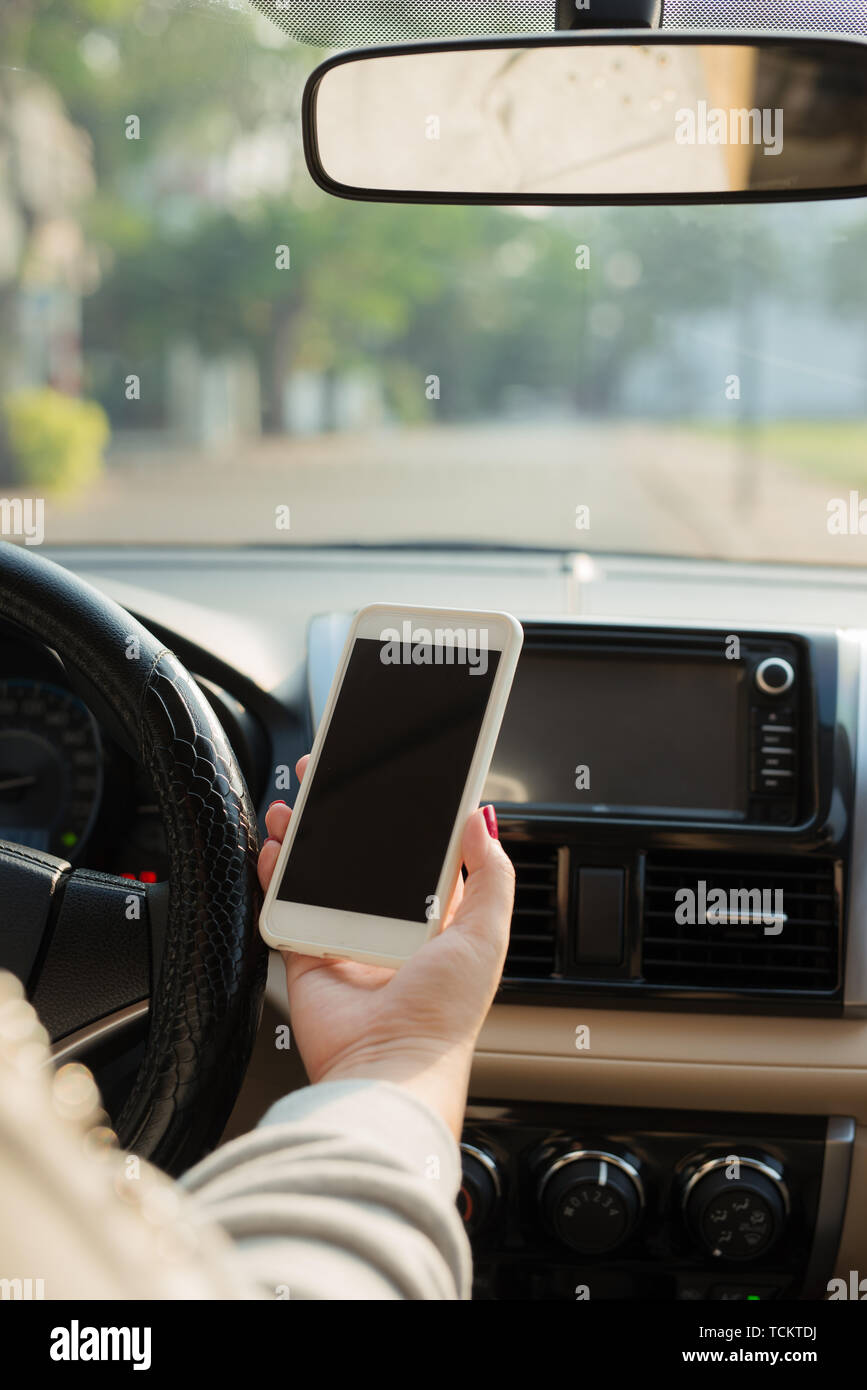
560, 119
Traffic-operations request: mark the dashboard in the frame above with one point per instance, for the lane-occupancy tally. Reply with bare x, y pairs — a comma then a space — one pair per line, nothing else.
669, 1093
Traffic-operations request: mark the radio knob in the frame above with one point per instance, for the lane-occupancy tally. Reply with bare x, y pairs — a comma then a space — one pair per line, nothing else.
480, 1188
591, 1201
774, 676
736, 1207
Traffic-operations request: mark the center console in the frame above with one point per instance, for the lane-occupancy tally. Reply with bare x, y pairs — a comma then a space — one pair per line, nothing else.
678, 805
572, 1202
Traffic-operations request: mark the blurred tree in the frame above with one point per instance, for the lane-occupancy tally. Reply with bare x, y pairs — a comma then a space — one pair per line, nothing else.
188, 216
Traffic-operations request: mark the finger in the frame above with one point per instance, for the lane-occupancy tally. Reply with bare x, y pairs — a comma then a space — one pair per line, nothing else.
485, 912
278, 814
267, 860
277, 818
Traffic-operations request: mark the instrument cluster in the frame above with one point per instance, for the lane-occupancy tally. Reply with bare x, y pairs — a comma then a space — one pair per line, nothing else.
66, 788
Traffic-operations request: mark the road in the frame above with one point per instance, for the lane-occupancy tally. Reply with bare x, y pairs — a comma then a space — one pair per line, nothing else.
646, 488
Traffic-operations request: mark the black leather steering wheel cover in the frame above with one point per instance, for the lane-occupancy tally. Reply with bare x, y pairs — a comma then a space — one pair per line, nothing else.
206, 1007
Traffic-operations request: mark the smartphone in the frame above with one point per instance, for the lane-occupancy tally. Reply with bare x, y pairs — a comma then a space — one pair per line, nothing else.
373, 851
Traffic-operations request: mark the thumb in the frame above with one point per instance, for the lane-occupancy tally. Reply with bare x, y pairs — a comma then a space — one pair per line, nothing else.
485, 911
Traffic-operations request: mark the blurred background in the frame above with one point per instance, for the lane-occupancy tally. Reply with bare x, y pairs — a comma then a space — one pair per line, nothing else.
197, 346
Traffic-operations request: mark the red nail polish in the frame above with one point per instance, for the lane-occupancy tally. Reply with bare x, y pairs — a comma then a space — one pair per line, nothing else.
490, 816
277, 803
271, 840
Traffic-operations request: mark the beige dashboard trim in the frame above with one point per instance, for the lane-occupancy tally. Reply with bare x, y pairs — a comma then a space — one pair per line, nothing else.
710, 1062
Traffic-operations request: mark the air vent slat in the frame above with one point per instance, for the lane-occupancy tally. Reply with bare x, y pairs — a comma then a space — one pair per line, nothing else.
738, 871
745, 945
532, 943
741, 956
768, 970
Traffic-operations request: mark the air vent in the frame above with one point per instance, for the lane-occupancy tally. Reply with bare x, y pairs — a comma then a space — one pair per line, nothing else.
740, 953
532, 943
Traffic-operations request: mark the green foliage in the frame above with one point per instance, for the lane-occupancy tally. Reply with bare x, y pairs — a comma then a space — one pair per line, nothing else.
55, 441
489, 299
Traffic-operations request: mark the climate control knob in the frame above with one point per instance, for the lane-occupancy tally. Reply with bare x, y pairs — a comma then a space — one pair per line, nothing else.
592, 1201
736, 1207
480, 1188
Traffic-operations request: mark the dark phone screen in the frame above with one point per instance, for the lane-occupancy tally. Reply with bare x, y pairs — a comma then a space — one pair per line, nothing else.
376, 824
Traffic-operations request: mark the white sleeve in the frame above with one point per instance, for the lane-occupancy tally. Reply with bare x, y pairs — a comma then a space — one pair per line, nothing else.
346, 1190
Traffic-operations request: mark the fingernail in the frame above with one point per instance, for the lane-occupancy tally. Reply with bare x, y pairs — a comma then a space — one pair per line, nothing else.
277, 803
271, 840
490, 816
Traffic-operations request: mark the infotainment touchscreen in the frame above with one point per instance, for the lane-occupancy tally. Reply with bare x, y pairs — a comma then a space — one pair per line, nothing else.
638, 734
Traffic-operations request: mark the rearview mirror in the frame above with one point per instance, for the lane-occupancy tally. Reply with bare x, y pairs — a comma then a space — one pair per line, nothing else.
593, 118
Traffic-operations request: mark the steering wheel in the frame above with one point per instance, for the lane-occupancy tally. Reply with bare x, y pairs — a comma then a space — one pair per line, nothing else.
74, 936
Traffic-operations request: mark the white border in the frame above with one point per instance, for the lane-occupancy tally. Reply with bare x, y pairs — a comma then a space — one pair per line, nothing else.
320, 931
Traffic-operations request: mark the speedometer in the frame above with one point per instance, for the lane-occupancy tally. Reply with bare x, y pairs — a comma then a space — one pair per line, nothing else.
50, 767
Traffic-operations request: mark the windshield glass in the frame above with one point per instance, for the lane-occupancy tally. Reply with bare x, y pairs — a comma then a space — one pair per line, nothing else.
198, 346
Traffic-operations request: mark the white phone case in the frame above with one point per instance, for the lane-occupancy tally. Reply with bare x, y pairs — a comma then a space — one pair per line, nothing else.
320, 931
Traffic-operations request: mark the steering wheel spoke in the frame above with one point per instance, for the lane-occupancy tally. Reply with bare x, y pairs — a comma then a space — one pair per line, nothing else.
31, 886
96, 959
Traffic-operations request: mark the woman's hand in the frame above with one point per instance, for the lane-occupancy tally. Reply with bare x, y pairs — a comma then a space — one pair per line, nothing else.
417, 1026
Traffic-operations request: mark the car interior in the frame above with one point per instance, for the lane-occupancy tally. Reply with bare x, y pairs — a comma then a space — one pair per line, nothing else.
542, 308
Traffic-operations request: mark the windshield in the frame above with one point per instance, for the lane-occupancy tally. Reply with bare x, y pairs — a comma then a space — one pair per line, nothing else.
197, 346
